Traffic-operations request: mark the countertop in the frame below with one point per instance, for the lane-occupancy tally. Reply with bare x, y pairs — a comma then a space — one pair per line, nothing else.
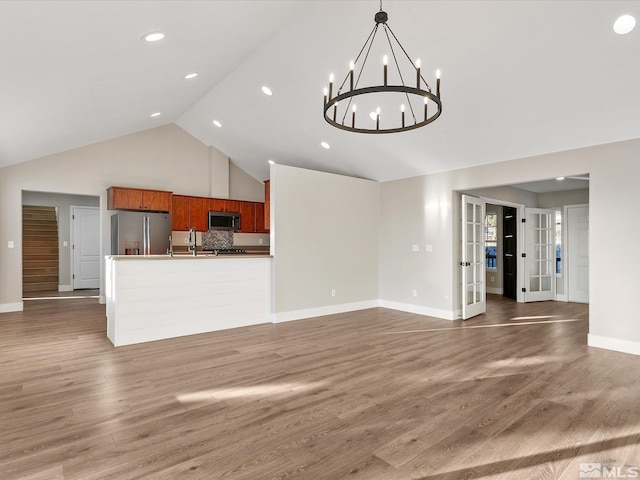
181, 256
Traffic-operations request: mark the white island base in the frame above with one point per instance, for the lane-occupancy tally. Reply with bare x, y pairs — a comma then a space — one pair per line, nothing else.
157, 297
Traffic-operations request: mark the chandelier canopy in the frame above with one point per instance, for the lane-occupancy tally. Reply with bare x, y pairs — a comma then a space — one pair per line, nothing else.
416, 105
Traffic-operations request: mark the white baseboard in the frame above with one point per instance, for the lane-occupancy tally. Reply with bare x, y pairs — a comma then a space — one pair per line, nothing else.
495, 290
102, 299
561, 298
320, 311
65, 288
431, 312
11, 307
615, 344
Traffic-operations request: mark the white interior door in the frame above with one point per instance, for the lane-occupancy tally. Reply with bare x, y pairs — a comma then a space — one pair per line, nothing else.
540, 255
577, 254
86, 247
473, 257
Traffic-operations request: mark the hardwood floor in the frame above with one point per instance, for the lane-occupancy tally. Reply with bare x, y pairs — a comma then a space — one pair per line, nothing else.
375, 394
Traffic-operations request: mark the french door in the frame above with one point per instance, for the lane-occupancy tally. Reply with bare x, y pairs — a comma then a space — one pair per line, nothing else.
540, 255
473, 257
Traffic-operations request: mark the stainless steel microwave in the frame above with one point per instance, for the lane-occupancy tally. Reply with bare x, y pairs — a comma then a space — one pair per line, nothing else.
224, 221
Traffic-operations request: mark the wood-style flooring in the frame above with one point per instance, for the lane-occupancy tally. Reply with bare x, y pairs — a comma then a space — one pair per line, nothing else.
376, 394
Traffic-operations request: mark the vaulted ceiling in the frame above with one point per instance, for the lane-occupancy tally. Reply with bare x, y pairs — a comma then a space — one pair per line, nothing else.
518, 78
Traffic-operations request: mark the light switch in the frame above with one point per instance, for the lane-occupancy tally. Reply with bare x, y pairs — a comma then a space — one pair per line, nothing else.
10, 244
65, 244
428, 248
416, 248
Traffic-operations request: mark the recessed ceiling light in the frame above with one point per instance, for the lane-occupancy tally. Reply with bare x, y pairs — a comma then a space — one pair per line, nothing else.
325, 145
157, 114
217, 123
267, 91
189, 76
271, 162
624, 24
559, 178
153, 36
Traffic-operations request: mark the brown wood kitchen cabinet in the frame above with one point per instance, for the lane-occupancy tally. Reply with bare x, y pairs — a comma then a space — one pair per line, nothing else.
260, 223
122, 198
180, 213
224, 205
189, 212
247, 217
267, 205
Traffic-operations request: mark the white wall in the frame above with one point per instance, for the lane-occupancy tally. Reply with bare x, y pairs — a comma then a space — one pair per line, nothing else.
244, 186
163, 158
560, 199
64, 204
324, 231
427, 210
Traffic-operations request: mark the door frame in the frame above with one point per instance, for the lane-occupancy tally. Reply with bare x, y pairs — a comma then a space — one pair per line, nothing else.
521, 232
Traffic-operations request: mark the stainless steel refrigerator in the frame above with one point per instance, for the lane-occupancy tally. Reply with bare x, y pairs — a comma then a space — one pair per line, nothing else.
140, 233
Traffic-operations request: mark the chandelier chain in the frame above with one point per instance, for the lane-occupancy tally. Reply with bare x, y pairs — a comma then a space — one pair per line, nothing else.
395, 59
372, 37
409, 58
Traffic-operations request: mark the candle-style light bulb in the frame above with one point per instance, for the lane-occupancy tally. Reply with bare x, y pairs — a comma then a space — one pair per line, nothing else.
331, 77
385, 60
438, 83
352, 66
353, 116
325, 95
426, 103
418, 73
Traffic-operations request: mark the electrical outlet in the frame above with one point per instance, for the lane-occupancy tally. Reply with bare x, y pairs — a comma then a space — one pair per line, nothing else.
10, 244
333, 292
65, 244
416, 248
428, 248
492, 278
415, 293
260, 241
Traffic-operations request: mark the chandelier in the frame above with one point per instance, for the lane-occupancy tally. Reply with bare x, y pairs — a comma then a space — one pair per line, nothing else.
416, 105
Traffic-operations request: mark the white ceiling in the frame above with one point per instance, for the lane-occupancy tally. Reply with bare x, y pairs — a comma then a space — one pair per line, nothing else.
518, 78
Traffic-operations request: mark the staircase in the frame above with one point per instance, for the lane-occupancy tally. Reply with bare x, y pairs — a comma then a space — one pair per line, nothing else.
39, 249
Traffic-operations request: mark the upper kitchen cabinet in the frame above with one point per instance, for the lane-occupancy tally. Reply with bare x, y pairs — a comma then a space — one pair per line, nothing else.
267, 205
180, 213
199, 213
224, 205
247, 217
121, 198
189, 212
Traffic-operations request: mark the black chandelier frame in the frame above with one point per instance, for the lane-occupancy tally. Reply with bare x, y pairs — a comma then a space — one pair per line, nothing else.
426, 93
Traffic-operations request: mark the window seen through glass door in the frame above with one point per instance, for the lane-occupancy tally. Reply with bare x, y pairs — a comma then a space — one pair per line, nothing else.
491, 240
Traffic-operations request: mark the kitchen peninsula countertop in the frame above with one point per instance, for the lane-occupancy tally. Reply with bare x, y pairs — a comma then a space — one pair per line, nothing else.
158, 296
187, 256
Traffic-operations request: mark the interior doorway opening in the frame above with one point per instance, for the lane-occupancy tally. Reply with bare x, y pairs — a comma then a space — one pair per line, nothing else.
528, 250
58, 252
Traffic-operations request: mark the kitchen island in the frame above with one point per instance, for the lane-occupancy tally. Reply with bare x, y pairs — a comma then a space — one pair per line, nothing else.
158, 296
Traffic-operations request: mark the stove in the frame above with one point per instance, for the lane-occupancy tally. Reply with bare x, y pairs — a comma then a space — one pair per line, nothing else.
227, 251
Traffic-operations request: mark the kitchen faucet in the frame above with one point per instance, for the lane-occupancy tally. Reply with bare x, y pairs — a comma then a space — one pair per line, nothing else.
194, 248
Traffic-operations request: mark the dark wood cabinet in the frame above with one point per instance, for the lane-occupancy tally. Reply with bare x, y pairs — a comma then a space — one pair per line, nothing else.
199, 213
190, 212
216, 204
180, 213
259, 210
247, 217
267, 205
122, 198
